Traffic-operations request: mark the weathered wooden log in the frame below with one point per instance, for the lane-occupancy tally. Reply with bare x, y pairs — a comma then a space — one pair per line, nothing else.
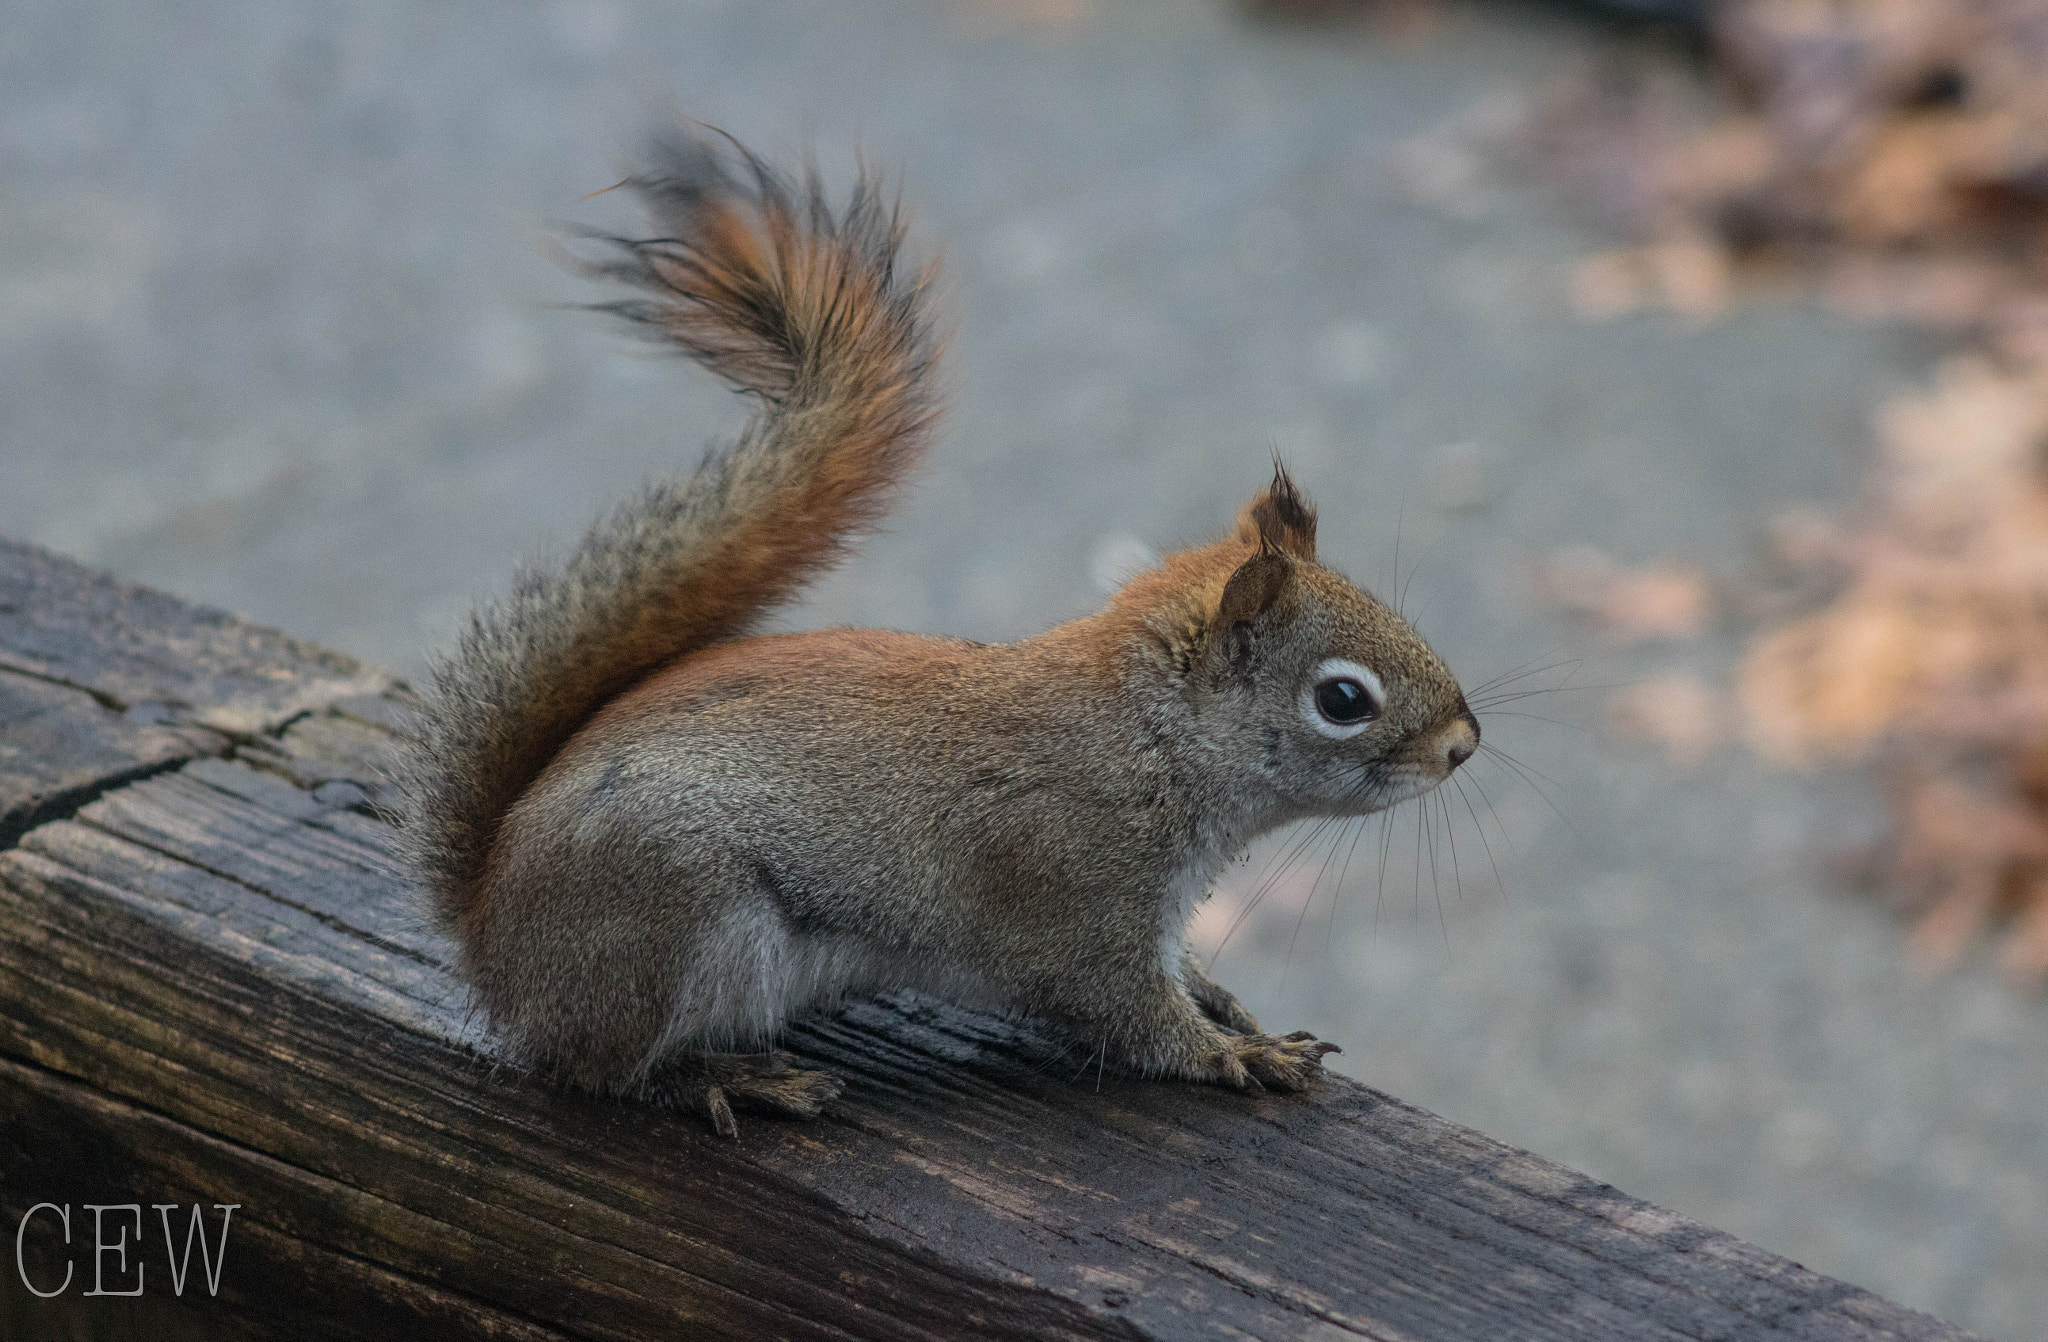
214, 990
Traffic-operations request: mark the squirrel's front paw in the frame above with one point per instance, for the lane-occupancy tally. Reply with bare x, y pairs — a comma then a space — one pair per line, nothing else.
1283, 1062
1220, 1005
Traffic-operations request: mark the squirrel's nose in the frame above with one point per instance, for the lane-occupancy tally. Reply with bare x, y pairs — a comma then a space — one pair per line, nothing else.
1460, 740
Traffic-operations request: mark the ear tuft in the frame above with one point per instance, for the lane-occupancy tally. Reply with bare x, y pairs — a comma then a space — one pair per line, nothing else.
1281, 519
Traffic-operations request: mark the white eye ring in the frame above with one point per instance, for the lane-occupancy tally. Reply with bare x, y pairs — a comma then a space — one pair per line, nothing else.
1338, 668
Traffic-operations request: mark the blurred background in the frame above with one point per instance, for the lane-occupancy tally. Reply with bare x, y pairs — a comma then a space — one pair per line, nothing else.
1686, 372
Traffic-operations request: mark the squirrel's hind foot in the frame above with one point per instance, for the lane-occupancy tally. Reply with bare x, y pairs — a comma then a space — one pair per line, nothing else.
713, 1084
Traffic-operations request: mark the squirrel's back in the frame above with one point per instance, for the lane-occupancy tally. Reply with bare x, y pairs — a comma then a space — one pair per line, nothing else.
759, 280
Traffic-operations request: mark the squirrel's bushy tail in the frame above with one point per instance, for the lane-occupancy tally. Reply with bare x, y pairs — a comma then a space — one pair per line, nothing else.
756, 278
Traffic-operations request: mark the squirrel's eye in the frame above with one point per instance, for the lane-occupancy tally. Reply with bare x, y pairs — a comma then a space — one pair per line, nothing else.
1344, 701
1340, 698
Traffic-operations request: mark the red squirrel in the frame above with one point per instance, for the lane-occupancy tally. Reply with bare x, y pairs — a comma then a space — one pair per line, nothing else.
656, 837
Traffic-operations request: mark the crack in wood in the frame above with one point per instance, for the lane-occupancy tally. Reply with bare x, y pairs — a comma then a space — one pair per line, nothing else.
112, 703
15, 825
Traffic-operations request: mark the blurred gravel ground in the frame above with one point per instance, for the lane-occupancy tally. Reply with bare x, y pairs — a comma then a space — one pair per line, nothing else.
278, 331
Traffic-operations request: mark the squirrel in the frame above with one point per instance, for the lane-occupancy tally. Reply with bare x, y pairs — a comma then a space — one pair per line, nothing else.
656, 837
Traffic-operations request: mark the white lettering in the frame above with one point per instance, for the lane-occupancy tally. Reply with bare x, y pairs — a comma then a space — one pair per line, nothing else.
21, 1232
100, 1247
180, 1263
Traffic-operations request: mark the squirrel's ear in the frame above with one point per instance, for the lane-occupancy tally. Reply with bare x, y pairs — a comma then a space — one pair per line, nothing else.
1250, 593
1253, 589
1280, 519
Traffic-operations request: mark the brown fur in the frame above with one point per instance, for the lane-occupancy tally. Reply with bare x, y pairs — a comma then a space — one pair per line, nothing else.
656, 841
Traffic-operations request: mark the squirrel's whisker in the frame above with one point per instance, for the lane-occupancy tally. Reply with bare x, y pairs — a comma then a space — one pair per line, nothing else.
1532, 717
1480, 829
1523, 671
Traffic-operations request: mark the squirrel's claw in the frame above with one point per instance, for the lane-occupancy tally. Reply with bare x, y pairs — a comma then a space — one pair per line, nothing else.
720, 1113
1300, 1035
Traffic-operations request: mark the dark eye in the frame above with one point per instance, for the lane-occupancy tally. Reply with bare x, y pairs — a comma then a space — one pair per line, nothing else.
1344, 700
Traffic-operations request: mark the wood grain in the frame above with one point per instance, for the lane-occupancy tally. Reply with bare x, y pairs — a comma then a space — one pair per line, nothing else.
214, 987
